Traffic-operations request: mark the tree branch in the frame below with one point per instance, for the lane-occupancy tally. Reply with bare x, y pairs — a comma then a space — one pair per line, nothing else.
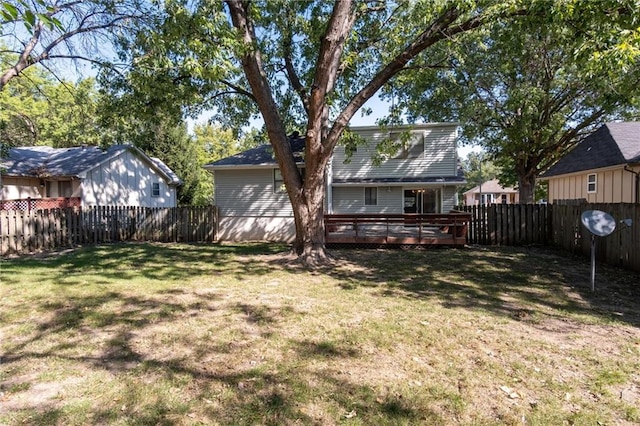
239, 90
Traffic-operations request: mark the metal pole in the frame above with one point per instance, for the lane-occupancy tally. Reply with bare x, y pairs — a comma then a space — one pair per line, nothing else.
593, 262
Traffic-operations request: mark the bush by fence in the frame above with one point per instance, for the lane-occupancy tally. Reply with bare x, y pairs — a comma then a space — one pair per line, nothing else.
35, 230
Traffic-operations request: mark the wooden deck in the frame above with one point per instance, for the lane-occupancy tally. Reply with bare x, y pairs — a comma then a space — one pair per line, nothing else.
397, 229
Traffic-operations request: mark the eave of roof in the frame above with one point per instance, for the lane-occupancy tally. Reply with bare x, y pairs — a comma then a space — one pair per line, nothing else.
492, 186
400, 181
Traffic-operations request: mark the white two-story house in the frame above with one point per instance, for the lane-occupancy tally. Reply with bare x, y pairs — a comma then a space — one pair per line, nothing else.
422, 177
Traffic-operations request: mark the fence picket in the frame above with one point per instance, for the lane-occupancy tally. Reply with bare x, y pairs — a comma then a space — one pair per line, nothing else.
501, 224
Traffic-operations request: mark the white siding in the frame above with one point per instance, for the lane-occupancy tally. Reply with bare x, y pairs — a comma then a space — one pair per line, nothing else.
350, 200
17, 188
245, 228
126, 181
249, 209
439, 157
449, 198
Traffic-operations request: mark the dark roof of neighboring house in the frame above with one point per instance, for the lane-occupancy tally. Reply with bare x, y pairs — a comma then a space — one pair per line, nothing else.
492, 186
44, 161
262, 155
612, 144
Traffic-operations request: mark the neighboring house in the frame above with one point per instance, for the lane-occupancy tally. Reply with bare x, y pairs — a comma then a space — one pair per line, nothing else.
603, 168
422, 178
491, 192
121, 175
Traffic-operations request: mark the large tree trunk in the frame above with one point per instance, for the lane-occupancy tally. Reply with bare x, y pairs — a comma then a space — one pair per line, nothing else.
527, 186
308, 212
307, 198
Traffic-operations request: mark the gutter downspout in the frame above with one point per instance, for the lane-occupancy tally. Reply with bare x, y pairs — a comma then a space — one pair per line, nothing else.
637, 192
329, 187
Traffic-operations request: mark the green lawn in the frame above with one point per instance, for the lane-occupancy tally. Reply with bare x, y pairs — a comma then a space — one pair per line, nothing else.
232, 334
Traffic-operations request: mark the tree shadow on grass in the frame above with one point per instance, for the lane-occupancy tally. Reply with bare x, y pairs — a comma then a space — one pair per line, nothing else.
125, 261
273, 393
511, 282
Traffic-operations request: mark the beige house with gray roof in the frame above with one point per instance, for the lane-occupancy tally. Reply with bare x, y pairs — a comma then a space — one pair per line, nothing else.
491, 192
603, 168
121, 175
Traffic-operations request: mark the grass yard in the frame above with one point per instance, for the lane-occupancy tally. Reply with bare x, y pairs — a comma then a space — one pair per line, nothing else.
230, 334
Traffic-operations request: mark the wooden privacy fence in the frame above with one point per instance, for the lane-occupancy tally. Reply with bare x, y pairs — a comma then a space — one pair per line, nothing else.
28, 231
509, 224
560, 225
621, 248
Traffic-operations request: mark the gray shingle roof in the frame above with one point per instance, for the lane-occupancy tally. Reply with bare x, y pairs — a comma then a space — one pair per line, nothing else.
46, 161
612, 144
260, 156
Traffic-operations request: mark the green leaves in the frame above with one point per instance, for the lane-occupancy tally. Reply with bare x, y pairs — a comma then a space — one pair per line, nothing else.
9, 12
528, 88
22, 11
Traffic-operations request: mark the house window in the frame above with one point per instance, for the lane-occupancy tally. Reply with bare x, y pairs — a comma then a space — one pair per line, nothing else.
411, 145
155, 189
278, 181
48, 191
592, 183
504, 198
371, 196
64, 188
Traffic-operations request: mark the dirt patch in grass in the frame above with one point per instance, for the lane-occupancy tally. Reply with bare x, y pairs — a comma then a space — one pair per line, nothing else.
231, 334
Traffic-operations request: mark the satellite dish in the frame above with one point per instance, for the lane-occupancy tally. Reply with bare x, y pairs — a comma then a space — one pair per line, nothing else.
598, 223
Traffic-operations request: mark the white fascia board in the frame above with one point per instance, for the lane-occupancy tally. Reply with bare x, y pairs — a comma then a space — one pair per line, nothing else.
415, 126
245, 166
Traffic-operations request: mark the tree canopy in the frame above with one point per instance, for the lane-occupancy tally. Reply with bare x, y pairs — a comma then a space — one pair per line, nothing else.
529, 89
46, 32
307, 65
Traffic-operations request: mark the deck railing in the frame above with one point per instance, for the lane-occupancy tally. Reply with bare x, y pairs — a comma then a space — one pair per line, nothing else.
397, 229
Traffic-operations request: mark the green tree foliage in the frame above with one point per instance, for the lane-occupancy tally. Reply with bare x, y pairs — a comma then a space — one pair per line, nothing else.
214, 143
529, 89
45, 32
304, 65
37, 110
478, 168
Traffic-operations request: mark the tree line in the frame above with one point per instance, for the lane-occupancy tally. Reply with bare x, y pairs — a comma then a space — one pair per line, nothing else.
526, 79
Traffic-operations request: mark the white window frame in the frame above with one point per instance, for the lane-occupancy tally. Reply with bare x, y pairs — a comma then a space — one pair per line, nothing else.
592, 182
155, 189
371, 201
